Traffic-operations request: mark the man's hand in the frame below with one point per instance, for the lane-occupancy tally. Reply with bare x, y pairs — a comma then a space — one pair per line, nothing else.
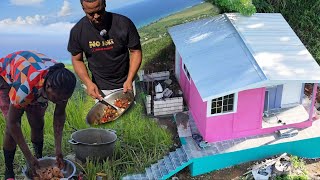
93, 91
60, 162
127, 86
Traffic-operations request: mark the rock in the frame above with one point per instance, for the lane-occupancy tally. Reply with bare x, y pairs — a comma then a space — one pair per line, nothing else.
164, 126
262, 173
283, 166
168, 81
167, 92
158, 88
155, 119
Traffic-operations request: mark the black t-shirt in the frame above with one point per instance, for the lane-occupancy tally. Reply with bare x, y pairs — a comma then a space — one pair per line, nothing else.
107, 55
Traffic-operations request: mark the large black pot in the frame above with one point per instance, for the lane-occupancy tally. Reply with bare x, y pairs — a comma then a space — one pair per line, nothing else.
96, 144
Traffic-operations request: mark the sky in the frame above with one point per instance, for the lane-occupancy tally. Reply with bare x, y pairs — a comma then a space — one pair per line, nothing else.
44, 16
44, 25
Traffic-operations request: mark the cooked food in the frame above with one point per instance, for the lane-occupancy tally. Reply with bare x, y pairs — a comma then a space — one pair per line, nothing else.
111, 113
48, 173
122, 103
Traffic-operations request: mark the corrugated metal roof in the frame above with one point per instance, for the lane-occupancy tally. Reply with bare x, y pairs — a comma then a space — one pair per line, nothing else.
276, 48
230, 52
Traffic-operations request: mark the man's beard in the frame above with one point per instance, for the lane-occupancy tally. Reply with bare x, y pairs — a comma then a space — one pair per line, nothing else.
101, 25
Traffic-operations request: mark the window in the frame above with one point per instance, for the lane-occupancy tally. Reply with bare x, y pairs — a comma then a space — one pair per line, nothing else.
223, 104
186, 71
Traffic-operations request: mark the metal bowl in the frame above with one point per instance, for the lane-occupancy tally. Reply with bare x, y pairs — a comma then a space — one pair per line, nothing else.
97, 111
68, 171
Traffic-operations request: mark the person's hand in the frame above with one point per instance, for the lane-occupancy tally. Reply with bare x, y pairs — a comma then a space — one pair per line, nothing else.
93, 91
33, 165
60, 162
127, 86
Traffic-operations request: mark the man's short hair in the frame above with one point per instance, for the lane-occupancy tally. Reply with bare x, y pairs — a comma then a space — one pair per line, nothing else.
103, 1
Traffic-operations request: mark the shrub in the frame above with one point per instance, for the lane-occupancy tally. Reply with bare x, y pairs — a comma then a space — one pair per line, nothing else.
245, 7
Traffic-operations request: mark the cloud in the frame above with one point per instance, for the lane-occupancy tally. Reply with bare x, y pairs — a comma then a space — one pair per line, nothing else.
23, 26
65, 9
29, 20
26, 2
59, 27
37, 24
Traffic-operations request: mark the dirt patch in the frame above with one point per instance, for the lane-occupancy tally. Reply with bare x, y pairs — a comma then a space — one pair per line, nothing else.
168, 123
313, 168
234, 173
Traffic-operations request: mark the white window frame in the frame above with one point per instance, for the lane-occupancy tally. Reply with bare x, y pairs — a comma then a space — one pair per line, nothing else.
235, 105
186, 73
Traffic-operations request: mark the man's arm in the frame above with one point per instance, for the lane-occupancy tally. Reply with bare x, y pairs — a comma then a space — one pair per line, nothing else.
14, 126
135, 62
81, 70
59, 119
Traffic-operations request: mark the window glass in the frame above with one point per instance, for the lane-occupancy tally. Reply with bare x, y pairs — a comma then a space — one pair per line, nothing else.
222, 104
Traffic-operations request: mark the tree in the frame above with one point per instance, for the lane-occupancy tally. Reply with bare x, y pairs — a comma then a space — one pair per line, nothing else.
245, 7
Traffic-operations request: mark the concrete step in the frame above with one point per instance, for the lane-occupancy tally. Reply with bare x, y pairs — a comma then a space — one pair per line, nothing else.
136, 177
163, 169
156, 171
175, 159
168, 163
187, 151
149, 174
182, 155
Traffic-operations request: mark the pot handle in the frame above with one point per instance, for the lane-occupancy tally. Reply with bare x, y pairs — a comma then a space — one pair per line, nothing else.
111, 130
73, 142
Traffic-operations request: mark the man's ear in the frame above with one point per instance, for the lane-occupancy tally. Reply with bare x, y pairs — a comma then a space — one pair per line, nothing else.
48, 85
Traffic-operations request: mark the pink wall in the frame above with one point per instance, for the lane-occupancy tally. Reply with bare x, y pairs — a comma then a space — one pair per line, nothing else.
247, 117
250, 110
194, 102
198, 109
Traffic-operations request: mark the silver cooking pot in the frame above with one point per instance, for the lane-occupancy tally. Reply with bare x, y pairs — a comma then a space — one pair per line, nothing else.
96, 113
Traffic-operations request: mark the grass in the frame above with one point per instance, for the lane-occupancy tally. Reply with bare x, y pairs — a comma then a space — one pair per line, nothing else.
157, 46
141, 141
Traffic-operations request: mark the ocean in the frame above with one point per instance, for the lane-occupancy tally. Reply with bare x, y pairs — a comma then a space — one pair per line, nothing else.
55, 46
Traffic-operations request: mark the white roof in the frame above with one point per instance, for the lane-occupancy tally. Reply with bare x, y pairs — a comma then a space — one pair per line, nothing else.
230, 52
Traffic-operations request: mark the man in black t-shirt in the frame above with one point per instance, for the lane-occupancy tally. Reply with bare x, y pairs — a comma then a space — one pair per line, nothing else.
111, 44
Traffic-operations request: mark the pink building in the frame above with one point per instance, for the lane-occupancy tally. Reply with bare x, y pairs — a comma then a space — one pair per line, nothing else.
244, 76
